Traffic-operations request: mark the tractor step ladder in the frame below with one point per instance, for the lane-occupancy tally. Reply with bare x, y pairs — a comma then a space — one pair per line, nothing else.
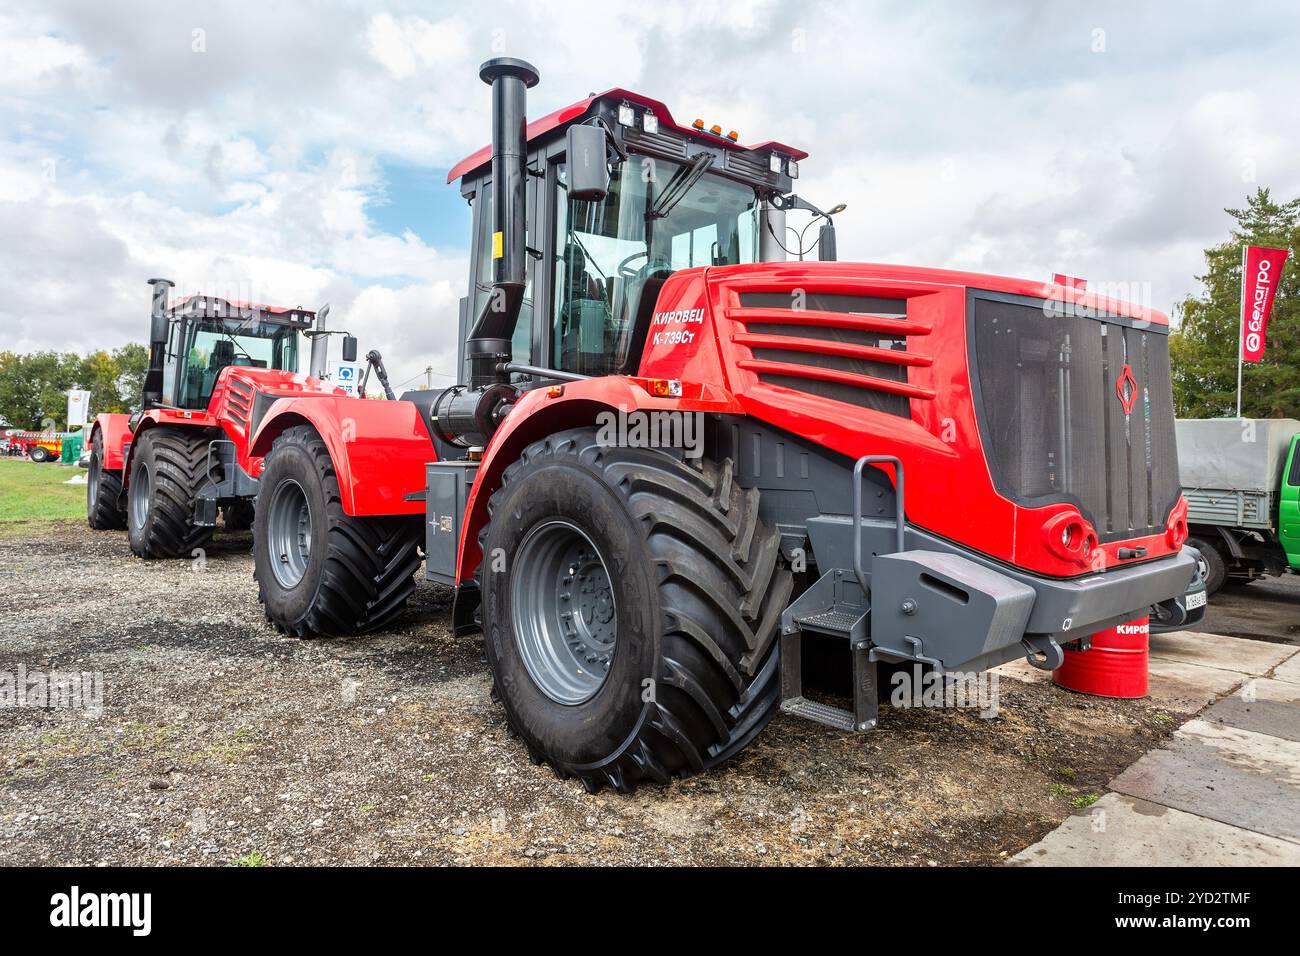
839, 605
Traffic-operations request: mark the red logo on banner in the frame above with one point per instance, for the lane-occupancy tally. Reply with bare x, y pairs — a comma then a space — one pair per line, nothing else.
1126, 388
1261, 270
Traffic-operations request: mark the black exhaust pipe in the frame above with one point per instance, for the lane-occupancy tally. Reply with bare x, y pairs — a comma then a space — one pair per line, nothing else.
488, 344
151, 393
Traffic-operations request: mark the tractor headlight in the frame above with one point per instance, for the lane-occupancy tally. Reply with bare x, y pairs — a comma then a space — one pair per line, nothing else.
650, 122
626, 115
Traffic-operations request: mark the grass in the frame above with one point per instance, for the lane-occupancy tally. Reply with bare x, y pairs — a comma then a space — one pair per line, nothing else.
35, 491
251, 859
1086, 800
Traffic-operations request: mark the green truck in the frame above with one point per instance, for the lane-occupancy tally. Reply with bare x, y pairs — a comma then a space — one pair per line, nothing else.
1241, 479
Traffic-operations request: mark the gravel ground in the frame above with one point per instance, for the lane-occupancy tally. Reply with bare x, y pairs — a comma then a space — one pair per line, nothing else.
220, 739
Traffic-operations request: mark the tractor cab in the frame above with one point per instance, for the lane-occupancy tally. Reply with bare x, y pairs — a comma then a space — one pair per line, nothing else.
674, 197
206, 335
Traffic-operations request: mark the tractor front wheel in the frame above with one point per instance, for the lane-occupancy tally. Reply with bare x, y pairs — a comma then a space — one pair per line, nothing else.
40, 454
104, 510
631, 604
319, 570
167, 470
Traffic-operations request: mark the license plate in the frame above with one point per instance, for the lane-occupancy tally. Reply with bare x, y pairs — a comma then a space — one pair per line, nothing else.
1195, 600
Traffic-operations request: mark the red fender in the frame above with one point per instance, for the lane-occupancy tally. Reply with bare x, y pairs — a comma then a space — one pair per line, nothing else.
379, 449
116, 431
545, 411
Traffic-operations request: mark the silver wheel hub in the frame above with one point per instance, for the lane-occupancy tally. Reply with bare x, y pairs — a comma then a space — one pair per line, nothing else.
141, 496
564, 611
288, 534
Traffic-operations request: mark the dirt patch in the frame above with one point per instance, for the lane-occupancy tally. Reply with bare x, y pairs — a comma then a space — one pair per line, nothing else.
219, 738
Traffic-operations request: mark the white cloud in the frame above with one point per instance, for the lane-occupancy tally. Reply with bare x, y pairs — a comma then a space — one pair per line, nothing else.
404, 46
984, 137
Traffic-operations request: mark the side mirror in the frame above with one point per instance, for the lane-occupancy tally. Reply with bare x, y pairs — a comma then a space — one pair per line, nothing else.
349, 348
588, 172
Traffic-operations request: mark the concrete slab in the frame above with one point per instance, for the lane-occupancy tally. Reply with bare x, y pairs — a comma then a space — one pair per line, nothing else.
1214, 650
1174, 685
1235, 776
1289, 670
1120, 830
1186, 688
1265, 706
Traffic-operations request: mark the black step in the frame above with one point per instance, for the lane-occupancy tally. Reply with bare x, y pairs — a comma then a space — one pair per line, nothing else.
837, 619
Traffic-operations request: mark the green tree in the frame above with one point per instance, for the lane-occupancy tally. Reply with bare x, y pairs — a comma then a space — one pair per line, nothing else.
1203, 350
132, 360
99, 374
34, 386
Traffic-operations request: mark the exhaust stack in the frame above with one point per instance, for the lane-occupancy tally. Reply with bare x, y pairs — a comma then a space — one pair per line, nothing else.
151, 394
318, 363
488, 343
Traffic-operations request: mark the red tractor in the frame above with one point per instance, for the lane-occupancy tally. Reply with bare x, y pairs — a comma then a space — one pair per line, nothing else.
646, 603
165, 473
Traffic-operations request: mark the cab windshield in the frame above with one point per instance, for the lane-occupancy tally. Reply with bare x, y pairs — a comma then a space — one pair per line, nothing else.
613, 256
212, 344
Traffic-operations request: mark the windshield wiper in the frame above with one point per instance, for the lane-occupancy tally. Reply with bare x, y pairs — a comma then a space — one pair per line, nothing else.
679, 186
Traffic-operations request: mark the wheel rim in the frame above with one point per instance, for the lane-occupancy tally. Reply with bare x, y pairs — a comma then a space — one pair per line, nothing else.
1203, 566
288, 533
141, 496
564, 611
92, 480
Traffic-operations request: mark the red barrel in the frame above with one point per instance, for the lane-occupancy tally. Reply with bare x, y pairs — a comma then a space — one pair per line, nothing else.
1116, 665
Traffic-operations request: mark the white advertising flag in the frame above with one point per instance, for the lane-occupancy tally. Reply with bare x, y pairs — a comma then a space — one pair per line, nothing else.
78, 406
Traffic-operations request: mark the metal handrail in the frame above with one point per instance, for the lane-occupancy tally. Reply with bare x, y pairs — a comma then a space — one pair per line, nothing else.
899, 519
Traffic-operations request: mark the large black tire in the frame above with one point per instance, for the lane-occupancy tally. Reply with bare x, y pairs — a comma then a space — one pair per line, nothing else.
356, 573
238, 515
698, 588
104, 508
40, 453
167, 469
1215, 568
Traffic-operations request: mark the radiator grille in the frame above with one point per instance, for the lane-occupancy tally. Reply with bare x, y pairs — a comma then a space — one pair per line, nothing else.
845, 348
1055, 423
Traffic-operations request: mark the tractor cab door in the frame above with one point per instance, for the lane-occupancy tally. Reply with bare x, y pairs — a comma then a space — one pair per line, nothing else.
611, 257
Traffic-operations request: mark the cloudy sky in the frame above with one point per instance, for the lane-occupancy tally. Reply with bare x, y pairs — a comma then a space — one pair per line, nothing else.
297, 153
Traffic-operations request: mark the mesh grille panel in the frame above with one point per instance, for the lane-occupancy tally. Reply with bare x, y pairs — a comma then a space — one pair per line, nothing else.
1057, 430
